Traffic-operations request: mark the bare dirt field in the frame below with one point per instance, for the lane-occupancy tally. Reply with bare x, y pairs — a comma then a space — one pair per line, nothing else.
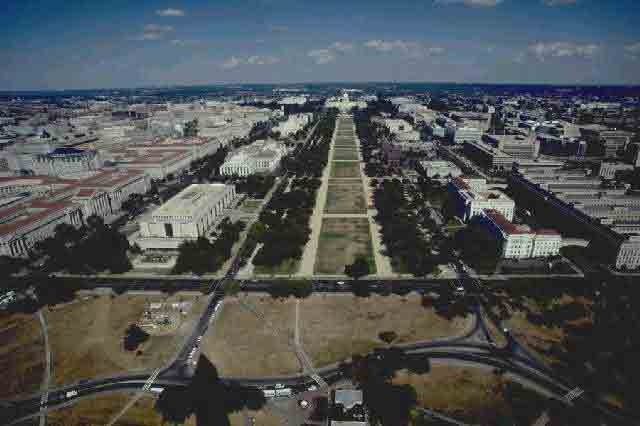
334, 327
345, 169
464, 393
345, 154
346, 197
86, 337
341, 240
262, 417
21, 354
240, 343
98, 411
539, 338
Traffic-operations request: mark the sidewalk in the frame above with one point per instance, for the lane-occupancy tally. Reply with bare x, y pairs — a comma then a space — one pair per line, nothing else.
308, 260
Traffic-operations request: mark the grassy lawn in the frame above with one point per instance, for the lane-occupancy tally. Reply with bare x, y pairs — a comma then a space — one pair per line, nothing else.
288, 266
98, 411
334, 327
341, 240
21, 354
466, 394
345, 197
86, 337
347, 146
345, 154
250, 206
345, 169
239, 343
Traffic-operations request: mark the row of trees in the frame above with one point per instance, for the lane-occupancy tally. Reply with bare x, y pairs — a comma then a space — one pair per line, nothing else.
283, 228
311, 159
202, 256
94, 247
255, 186
209, 166
401, 234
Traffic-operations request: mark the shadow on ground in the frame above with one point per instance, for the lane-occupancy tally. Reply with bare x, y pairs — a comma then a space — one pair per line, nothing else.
209, 399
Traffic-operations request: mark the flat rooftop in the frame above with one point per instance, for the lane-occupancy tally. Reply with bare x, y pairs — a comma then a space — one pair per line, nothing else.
190, 200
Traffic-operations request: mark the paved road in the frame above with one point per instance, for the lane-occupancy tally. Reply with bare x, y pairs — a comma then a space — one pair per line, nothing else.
46, 380
471, 348
485, 355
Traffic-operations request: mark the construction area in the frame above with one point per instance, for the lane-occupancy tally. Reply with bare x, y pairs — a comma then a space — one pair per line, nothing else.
86, 336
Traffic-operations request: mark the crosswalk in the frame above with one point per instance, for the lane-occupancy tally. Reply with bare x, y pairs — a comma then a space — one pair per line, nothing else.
572, 395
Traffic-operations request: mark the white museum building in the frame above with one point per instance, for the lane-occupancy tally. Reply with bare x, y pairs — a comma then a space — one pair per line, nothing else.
188, 215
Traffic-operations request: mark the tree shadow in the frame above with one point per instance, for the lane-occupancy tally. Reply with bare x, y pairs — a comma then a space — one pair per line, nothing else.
208, 398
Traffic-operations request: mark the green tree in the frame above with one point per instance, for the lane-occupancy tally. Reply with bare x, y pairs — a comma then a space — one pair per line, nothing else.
358, 269
134, 337
388, 336
191, 128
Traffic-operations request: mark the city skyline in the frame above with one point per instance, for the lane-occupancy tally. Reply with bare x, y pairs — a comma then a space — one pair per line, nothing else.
75, 46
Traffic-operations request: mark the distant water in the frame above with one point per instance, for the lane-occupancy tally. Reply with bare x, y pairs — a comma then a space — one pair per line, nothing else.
389, 88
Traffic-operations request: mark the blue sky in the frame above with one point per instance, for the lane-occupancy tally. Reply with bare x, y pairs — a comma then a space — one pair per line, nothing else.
49, 44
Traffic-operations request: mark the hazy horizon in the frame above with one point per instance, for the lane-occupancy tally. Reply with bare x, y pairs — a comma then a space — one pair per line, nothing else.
50, 45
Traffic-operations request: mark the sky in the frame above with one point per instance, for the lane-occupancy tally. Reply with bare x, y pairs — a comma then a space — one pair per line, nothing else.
83, 44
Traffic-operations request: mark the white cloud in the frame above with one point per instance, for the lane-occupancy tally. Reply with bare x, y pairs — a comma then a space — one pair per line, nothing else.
154, 32
184, 43
563, 49
411, 48
472, 3
231, 62
341, 46
633, 50
278, 28
158, 28
235, 61
170, 12
262, 60
559, 2
322, 56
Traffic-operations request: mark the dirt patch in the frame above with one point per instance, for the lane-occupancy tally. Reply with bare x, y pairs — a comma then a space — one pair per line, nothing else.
466, 394
99, 410
346, 197
251, 336
341, 240
263, 417
345, 154
86, 336
21, 354
345, 169
334, 327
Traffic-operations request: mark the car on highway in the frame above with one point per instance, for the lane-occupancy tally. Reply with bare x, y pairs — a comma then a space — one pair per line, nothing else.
458, 289
71, 394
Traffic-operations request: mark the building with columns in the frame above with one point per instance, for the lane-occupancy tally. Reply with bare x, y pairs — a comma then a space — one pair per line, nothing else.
23, 225
188, 215
471, 196
520, 241
260, 157
52, 201
66, 162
